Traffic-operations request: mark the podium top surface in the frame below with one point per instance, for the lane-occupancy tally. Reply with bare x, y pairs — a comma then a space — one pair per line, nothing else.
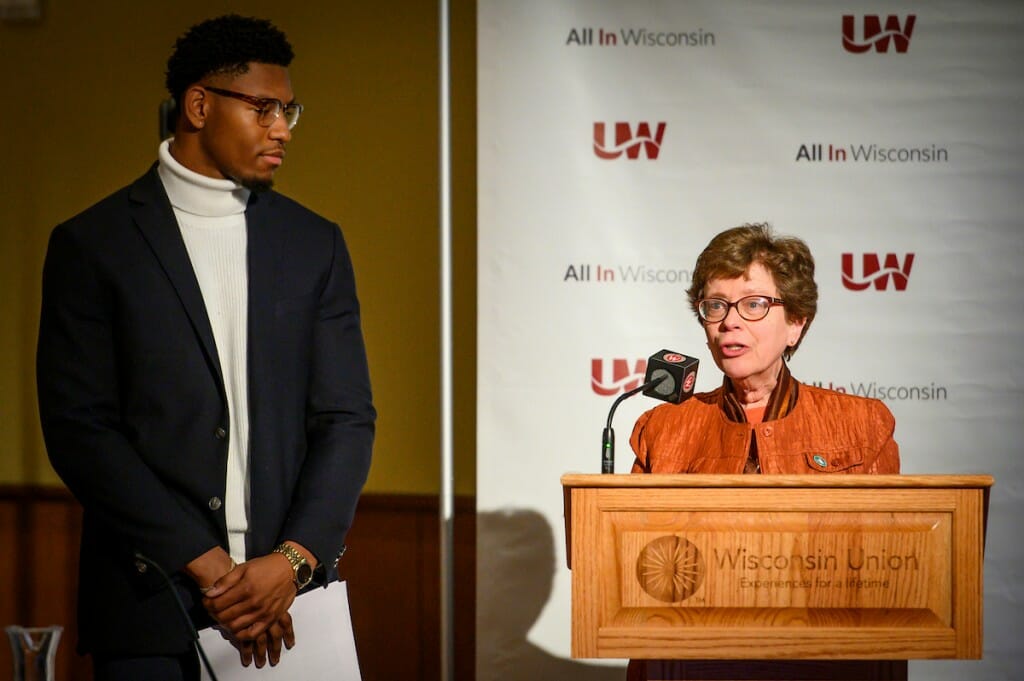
574, 480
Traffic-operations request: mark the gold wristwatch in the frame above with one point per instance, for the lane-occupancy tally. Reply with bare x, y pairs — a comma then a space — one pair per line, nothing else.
302, 569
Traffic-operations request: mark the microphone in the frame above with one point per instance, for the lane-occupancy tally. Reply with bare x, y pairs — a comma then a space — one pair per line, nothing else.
670, 377
678, 373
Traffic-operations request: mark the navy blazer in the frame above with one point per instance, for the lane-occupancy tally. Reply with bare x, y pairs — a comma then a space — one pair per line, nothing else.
135, 415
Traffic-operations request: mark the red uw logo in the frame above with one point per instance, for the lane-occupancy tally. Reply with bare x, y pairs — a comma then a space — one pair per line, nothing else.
875, 35
673, 357
629, 142
873, 271
688, 382
623, 377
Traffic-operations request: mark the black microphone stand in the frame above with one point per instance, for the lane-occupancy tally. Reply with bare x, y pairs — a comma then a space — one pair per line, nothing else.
184, 612
608, 435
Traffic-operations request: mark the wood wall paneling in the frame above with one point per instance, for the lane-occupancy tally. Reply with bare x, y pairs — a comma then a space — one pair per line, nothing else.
392, 567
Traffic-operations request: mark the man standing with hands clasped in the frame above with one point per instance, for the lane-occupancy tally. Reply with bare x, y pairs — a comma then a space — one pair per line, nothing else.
203, 384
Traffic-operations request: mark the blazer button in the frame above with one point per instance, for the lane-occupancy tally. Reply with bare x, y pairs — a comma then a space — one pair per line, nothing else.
220, 433
768, 431
141, 567
214, 503
337, 558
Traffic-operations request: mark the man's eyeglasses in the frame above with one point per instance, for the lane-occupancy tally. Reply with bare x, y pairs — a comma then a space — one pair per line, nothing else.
751, 308
267, 108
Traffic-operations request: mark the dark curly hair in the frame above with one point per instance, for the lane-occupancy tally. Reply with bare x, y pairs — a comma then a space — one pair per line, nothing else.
731, 253
224, 44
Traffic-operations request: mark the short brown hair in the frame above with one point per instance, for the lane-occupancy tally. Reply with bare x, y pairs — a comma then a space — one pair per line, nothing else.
731, 253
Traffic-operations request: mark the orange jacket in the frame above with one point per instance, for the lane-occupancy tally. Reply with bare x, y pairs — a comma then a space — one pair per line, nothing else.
826, 432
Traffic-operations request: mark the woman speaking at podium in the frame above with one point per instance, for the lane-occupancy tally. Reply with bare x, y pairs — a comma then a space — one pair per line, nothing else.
755, 296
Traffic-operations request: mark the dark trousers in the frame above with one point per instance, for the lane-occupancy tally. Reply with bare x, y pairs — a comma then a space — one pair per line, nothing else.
181, 668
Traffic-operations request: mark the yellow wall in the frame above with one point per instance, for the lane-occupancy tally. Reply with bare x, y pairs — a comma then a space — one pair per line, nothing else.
79, 121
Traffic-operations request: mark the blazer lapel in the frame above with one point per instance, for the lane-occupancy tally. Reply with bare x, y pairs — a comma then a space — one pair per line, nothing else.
152, 212
264, 253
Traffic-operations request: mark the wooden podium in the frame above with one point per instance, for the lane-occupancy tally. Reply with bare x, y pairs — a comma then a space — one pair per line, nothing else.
776, 567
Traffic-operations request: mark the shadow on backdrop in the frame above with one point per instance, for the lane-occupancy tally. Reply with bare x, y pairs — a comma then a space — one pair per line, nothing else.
515, 572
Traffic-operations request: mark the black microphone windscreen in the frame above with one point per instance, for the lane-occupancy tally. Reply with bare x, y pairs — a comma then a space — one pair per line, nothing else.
682, 376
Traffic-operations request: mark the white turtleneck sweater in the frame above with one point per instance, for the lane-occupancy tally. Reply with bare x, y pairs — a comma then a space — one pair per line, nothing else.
211, 217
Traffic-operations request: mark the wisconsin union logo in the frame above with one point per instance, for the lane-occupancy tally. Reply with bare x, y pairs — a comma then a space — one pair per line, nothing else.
628, 141
875, 273
623, 378
670, 569
877, 36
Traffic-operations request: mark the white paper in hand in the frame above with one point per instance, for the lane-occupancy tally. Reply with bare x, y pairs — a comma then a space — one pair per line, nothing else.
325, 647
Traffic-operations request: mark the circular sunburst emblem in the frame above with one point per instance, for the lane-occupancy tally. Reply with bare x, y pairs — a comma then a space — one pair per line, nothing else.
670, 569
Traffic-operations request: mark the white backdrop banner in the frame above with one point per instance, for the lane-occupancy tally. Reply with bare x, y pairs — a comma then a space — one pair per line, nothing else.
616, 138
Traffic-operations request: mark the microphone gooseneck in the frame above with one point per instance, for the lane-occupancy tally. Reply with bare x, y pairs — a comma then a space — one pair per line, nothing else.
670, 377
608, 435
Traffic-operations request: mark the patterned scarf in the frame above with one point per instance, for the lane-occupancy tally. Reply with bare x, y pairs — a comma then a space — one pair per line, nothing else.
780, 403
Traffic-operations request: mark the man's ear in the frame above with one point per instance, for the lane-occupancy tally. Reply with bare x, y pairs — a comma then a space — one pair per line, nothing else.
194, 107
